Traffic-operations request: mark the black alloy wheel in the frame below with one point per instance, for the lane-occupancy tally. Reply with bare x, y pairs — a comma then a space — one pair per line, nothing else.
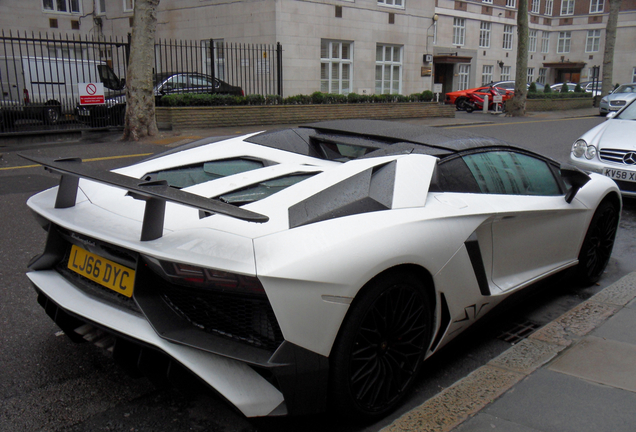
381, 347
52, 114
598, 243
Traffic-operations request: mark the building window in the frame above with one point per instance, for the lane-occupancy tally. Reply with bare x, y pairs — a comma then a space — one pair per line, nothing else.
68, 6
563, 46
394, 3
464, 74
548, 7
567, 7
484, 35
388, 69
129, 5
596, 6
545, 42
530, 75
543, 72
505, 73
101, 7
487, 1
336, 63
634, 75
507, 37
593, 40
536, 6
532, 40
486, 74
511, 3
459, 31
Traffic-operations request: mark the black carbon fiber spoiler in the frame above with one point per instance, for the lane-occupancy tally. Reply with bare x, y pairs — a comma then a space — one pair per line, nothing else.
155, 193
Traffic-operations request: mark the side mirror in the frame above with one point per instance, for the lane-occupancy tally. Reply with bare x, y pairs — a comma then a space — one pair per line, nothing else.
576, 178
611, 114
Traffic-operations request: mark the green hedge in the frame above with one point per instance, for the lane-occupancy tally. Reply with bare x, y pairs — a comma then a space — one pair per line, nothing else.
198, 99
558, 95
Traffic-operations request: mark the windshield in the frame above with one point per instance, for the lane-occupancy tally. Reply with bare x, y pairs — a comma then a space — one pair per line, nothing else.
108, 77
628, 113
263, 189
625, 88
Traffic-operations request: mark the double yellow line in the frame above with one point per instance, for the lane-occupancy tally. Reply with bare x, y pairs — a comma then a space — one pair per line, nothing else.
83, 160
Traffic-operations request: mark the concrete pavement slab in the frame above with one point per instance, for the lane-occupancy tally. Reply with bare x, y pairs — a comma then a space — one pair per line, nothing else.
602, 361
487, 422
621, 327
549, 401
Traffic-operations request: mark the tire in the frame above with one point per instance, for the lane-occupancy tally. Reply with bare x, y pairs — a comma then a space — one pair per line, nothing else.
459, 103
380, 348
51, 114
598, 243
469, 107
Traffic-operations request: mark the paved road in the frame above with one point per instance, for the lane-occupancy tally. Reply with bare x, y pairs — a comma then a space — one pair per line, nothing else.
48, 383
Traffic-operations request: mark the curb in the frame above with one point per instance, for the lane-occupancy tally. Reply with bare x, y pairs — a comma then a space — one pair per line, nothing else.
459, 402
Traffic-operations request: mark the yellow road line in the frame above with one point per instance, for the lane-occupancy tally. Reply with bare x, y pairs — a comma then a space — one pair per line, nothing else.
85, 160
517, 123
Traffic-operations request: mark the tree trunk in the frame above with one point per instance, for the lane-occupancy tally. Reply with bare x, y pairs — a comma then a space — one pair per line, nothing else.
140, 99
610, 42
516, 107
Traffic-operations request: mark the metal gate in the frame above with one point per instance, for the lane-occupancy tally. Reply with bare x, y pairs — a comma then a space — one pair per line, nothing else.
41, 77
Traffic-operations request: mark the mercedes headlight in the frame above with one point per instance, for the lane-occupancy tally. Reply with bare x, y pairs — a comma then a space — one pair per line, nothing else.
579, 147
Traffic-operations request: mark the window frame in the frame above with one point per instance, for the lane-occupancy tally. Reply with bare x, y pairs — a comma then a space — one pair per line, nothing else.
545, 42
543, 74
463, 75
594, 39
51, 6
392, 64
392, 3
530, 75
505, 73
567, 7
549, 7
596, 6
536, 6
487, 74
340, 61
508, 36
532, 40
511, 4
484, 34
459, 31
565, 38
126, 7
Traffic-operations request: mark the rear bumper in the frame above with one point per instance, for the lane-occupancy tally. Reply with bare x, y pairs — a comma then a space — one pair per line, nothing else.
296, 378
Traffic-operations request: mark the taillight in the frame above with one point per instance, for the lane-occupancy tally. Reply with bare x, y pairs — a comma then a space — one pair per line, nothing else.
25, 93
242, 92
206, 278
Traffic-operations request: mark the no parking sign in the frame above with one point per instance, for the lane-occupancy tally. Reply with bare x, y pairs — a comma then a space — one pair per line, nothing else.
91, 93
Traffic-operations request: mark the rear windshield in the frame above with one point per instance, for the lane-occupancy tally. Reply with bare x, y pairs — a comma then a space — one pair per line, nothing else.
263, 189
186, 176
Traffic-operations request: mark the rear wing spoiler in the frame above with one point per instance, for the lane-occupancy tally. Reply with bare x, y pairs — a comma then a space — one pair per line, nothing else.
155, 193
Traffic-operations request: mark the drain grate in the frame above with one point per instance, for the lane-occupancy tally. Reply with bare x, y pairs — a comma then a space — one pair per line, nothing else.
516, 332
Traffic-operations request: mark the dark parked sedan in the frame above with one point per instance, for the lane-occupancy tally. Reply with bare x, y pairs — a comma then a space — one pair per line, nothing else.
112, 113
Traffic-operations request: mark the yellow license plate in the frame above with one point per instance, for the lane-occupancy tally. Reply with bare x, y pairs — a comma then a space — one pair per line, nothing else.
105, 272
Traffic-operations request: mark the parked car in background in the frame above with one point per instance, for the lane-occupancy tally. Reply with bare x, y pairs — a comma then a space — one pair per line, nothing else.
617, 99
510, 85
610, 149
464, 101
557, 87
300, 269
592, 87
112, 113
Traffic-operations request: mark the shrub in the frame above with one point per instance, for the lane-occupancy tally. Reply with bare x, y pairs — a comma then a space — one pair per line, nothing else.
317, 97
427, 96
532, 88
565, 88
547, 88
578, 89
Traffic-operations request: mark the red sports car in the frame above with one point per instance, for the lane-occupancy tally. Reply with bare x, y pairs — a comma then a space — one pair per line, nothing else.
472, 99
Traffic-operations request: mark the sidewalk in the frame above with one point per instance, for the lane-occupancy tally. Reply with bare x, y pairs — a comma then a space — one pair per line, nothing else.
576, 374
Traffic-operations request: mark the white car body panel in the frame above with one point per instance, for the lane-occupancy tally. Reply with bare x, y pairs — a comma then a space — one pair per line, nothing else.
237, 382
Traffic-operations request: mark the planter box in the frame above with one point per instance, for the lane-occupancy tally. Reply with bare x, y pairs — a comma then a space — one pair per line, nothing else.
558, 104
208, 117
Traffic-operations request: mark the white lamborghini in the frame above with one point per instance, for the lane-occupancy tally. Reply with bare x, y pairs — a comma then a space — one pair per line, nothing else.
313, 268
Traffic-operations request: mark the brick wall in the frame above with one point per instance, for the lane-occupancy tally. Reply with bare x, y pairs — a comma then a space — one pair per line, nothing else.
204, 117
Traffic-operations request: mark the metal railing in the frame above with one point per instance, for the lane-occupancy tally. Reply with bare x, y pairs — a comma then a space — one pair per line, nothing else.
43, 79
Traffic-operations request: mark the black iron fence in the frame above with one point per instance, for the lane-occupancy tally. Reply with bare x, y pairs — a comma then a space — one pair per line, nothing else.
55, 83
